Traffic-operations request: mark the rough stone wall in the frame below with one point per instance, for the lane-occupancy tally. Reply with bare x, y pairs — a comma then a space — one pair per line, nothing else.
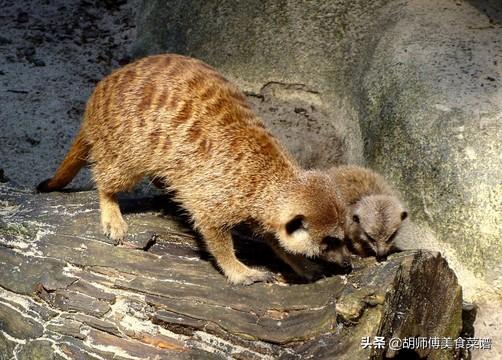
433, 106
289, 55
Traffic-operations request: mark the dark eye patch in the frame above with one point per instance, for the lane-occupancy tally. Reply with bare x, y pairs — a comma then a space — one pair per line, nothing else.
295, 224
333, 242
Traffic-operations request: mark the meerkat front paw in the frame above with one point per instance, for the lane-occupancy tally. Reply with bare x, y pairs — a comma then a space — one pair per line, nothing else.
250, 277
115, 229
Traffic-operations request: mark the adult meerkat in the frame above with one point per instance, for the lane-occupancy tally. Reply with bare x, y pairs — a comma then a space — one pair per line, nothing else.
374, 211
175, 119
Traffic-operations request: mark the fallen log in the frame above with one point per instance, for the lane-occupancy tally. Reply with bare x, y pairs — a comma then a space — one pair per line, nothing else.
67, 292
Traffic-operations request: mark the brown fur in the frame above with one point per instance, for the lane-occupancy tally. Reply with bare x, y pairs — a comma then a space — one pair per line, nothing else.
176, 120
374, 211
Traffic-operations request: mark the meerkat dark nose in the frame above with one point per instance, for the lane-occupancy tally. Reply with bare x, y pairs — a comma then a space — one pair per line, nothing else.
381, 258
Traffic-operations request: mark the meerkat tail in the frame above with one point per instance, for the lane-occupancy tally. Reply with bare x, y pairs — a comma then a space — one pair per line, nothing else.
72, 163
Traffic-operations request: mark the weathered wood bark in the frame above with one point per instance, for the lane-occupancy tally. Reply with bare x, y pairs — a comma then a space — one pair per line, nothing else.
67, 292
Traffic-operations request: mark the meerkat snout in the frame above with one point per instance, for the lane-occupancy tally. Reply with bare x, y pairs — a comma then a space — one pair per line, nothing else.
335, 250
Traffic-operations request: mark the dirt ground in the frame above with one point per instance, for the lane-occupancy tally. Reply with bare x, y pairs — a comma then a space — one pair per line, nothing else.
52, 53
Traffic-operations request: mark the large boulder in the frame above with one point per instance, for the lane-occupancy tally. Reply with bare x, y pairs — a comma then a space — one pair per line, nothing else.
411, 88
433, 112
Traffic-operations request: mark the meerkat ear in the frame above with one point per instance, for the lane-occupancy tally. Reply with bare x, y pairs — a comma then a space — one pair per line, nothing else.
296, 223
404, 215
356, 218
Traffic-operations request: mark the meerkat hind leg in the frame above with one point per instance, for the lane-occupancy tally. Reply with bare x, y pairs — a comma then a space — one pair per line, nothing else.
112, 222
220, 245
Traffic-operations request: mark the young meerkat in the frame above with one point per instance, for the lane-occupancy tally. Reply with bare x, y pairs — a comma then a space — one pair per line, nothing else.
177, 120
374, 211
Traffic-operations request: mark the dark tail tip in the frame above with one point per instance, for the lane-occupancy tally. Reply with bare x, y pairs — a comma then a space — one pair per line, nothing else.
43, 187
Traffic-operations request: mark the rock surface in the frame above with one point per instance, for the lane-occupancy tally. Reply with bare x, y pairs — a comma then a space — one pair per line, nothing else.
287, 56
78, 41
73, 294
433, 124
